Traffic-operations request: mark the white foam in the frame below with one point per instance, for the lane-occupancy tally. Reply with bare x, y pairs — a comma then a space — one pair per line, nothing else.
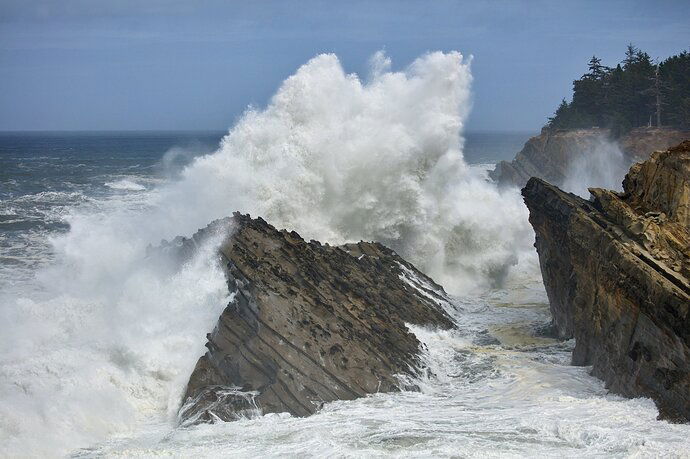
108, 349
106, 339
125, 185
101, 347
341, 159
513, 399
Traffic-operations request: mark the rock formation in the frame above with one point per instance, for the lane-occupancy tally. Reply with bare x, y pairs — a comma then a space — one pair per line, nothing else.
617, 273
550, 154
308, 323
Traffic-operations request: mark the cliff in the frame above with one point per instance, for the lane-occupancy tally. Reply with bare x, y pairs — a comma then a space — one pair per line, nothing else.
617, 273
550, 154
308, 323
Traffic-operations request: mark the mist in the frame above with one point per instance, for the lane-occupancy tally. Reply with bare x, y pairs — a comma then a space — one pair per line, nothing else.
108, 336
602, 166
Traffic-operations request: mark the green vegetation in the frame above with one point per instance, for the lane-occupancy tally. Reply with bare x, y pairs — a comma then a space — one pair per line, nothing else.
637, 92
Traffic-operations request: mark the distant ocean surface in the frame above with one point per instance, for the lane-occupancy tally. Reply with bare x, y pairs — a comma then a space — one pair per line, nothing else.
46, 175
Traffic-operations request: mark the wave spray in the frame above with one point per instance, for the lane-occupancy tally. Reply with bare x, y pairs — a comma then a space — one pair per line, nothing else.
106, 338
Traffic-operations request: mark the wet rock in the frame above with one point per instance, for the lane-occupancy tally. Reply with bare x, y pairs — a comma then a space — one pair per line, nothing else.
308, 323
617, 275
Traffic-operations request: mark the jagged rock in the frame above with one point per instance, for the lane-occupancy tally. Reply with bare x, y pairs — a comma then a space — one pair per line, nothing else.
308, 323
617, 273
550, 154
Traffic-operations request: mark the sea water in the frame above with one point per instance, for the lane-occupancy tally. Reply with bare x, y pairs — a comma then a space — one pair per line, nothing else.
98, 341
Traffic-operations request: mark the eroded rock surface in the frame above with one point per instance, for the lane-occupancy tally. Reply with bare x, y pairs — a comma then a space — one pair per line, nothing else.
550, 155
617, 274
308, 323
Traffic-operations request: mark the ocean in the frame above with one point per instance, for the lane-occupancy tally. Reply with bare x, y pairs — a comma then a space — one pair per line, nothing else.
46, 175
98, 341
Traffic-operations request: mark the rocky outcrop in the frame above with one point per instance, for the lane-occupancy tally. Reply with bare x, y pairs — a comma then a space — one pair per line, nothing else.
308, 323
640, 142
547, 156
550, 154
617, 273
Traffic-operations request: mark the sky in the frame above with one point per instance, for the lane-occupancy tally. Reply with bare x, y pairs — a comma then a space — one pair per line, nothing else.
197, 65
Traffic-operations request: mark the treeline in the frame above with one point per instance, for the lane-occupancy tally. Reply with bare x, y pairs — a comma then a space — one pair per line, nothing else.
637, 92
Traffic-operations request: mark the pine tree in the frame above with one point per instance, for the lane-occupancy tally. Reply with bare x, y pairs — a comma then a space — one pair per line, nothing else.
596, 70
675, 91
559, 118
630, 55
632, 94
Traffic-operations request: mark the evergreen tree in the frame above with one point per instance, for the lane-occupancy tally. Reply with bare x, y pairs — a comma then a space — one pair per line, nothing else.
631, 53
559, 119
596, 70
636, 92
674, 73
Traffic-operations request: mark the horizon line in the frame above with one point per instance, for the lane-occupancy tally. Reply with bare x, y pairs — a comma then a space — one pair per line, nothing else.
26, 131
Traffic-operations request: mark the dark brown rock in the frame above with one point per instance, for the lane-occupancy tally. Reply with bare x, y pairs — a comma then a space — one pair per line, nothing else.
309, 323
550, 154
616, 270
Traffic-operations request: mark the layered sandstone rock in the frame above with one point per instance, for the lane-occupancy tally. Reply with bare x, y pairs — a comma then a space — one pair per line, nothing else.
550, 155
308, 323
617, 273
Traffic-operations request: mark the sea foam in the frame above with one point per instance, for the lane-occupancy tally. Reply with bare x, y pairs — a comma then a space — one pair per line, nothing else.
341, 159
106, 339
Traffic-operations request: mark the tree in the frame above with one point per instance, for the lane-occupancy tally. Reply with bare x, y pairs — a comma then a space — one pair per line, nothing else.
658, 85
631, 53
629, 95
674, 74
596, 70
558, 119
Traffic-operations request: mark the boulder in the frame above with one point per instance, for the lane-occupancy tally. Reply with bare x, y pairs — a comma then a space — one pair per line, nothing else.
308, 323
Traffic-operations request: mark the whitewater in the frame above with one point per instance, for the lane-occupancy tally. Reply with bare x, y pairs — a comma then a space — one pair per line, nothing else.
98, 341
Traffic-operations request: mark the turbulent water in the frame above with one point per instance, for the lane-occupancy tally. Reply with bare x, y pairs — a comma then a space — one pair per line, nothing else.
97, 341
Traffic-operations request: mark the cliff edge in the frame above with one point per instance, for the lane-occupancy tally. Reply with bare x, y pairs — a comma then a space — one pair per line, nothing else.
617, 273
308, 323
551, 154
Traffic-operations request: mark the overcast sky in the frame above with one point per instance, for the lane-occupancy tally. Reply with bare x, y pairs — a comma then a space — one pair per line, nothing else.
84, 65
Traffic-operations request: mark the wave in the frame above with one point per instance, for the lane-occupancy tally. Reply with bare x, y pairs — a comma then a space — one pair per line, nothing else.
341, 159
125, 185
107, 338
507, 393
53, 197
